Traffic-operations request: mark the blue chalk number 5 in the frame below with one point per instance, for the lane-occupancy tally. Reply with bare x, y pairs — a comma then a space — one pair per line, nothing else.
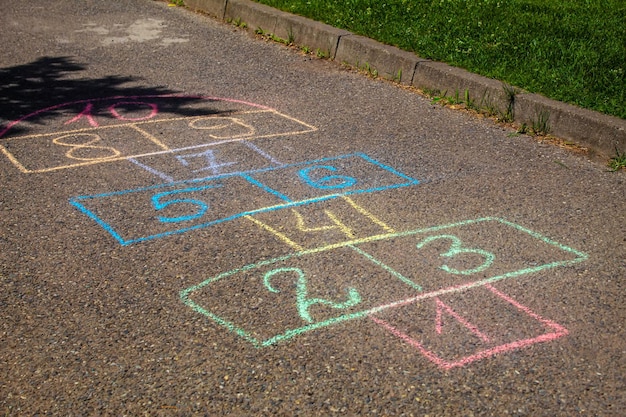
200, 206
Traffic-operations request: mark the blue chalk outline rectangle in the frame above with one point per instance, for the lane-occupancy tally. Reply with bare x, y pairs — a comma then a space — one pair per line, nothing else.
291, 333
249, 177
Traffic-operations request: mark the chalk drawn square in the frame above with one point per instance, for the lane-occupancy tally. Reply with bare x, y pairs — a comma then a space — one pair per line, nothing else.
331, 177
468, 253
53, 151
206, 161
278, 299
458, 329
187, 133
136, 215
321, 223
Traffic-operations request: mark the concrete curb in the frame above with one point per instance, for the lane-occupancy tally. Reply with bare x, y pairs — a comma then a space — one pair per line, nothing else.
215, 8
389, 62
594, 130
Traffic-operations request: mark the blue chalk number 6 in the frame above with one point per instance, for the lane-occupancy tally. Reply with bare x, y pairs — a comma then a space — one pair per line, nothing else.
328, 182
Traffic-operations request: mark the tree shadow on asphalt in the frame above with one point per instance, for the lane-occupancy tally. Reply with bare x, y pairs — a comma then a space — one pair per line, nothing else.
52, 81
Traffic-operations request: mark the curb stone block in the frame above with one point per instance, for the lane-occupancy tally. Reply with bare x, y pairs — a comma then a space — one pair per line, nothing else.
307, 32
486, 92
390, 62
255, 15
598, 131
215, 8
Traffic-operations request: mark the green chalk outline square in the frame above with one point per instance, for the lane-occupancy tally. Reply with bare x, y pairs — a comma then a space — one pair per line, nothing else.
291, 333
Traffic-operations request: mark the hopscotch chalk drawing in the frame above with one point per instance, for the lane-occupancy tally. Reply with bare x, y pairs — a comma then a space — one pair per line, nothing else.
120, 128
378, 275
432, 288
191, 205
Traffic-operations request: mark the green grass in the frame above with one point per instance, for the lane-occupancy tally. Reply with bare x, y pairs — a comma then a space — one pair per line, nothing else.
618, 161
569, 50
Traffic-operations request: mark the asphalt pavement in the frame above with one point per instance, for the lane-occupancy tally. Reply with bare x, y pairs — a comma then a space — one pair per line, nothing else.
195, 221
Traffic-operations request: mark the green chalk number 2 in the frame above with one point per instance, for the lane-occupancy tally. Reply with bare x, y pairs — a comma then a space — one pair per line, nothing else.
303, 302
456, 248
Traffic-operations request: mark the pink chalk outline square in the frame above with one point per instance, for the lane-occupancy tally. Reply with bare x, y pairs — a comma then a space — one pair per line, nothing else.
558, 331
